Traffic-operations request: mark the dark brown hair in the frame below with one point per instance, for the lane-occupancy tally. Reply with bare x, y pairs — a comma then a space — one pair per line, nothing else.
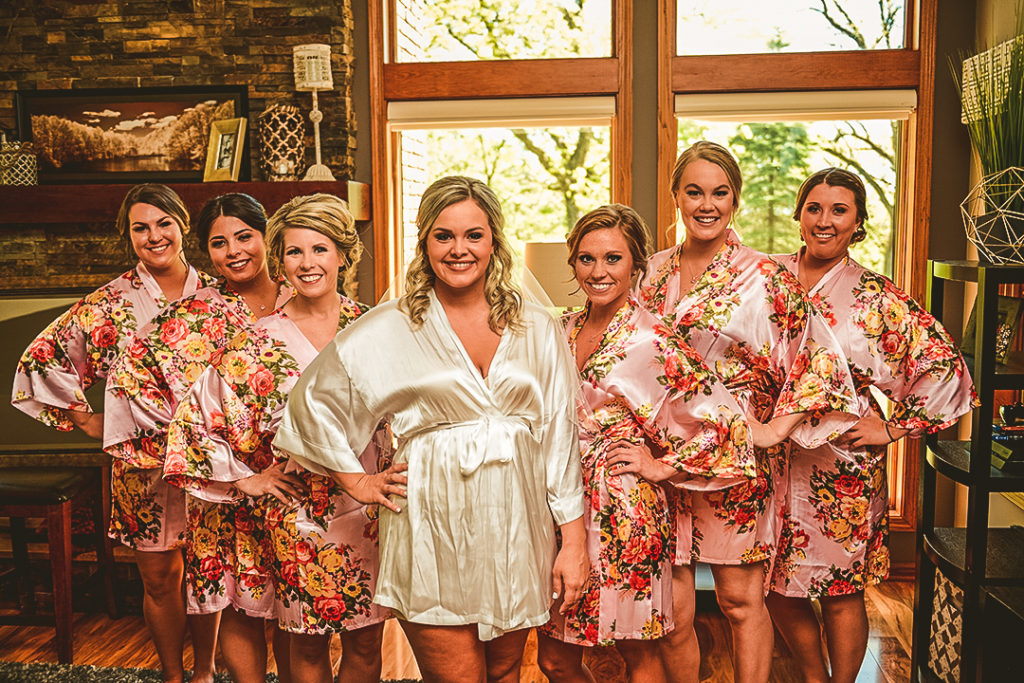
620, 216
837, 177
235, 204
154, 194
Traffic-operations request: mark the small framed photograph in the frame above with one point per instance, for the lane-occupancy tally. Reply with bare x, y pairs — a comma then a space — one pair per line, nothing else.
1007, 323
224, 154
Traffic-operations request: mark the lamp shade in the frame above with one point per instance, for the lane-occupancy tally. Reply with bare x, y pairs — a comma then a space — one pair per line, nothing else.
547, 263
313, 67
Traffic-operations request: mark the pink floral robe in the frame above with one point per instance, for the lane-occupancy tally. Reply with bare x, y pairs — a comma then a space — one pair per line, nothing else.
836, 526
74, 352
152, 374
751, 322
640, 386
321, 556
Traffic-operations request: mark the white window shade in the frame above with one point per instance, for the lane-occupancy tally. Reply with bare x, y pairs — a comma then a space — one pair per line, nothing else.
553, 111
798, 106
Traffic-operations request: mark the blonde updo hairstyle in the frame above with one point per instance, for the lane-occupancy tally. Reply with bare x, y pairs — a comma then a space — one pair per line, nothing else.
327, 215
837, 177
620, 216
716, 154
502, 295
154, 194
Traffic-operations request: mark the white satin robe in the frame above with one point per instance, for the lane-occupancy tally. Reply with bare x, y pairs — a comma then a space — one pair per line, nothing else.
493, 463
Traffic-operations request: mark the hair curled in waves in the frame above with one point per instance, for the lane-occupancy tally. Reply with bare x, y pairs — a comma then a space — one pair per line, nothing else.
327, 215
838, 177
502, 295
620, 216
154, 194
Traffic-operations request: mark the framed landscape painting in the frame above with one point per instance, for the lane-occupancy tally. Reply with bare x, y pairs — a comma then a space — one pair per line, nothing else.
126, 135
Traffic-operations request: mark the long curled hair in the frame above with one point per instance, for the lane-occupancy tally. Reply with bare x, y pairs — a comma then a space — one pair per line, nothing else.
154, 194
327, 215
837, 177
502, 295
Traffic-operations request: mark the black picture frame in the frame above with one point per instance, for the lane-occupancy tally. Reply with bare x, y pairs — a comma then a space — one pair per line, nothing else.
126, 135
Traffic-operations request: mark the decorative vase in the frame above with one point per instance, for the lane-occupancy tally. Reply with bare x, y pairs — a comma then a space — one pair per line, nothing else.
282, 142
993, 215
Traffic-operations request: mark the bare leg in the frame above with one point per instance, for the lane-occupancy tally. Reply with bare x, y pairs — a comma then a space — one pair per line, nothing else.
504, 656
680, 652
740, 592
447, 654
799, 627
560, 661
309, 656
243, 641
163, 606
360, 655
203, 628
643, 661
846, 634
282, 655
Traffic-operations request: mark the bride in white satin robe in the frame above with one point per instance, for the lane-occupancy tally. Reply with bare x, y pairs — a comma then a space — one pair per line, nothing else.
491, 446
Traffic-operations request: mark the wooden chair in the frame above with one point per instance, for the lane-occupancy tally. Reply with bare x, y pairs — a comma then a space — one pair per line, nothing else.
50, 492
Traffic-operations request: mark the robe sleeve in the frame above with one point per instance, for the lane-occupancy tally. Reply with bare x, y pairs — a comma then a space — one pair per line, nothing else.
139, 404
817, 378
905, 352
215, 439
327, 423
559, 437
699, 425
54, 372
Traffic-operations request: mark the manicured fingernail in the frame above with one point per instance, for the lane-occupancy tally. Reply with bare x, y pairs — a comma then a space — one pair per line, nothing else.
554, 596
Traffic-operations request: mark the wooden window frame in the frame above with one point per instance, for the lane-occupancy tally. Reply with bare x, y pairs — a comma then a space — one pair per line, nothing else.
397, 81
912, 67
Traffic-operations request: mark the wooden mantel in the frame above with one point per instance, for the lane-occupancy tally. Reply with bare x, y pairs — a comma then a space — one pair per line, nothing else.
36, 204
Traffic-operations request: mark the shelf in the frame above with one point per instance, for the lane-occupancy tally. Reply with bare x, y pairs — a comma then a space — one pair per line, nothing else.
1010, 597
946, 548
953, 459
968, 271
35, 204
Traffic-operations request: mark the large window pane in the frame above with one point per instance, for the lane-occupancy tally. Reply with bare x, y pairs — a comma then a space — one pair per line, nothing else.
468, 30
710, 27
545, 177
775, 157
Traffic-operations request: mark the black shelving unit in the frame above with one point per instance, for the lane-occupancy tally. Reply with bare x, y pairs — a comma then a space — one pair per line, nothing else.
987, 564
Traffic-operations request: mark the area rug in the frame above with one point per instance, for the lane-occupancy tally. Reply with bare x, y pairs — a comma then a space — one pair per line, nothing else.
16, 672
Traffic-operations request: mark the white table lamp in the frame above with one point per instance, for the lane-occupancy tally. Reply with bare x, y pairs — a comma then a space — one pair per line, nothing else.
313, 72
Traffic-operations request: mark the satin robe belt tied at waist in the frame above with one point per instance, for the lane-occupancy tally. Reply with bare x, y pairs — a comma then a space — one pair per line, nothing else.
489, 439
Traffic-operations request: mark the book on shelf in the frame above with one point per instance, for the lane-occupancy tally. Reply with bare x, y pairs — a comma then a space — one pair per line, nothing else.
1007, 459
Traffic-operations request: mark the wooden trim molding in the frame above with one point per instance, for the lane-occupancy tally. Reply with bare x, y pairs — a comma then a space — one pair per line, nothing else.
667, 128
382, 221
504, 78
807, 71
622, 122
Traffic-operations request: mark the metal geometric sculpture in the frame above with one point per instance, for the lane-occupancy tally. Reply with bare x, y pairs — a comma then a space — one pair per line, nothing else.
993, 215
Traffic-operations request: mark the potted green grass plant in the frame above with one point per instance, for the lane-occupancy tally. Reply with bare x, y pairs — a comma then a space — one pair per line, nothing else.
991, 87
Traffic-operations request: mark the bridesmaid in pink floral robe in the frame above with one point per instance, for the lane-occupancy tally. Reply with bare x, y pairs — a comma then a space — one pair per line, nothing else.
835, 527
649, 391
750, 320
158, 366
77, 349
311, 565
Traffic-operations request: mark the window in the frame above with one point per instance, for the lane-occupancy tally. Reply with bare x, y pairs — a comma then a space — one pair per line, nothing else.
709, 27
467, 30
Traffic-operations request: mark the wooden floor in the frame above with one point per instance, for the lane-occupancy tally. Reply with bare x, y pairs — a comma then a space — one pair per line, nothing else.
124, 642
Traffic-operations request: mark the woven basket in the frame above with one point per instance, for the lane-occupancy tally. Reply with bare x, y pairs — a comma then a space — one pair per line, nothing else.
18, 164
282, 139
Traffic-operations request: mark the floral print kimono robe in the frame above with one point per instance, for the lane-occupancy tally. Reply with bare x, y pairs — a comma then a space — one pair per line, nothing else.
640, 386
836, 526
75, 351
751, 322
493, 461
154, 371
320, 557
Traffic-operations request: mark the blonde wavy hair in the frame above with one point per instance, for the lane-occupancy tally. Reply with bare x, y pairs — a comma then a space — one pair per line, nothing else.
502, 295
329, 216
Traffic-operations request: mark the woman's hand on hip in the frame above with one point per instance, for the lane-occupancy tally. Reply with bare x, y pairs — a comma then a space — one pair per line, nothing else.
374, 489
287, 488
625, 456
